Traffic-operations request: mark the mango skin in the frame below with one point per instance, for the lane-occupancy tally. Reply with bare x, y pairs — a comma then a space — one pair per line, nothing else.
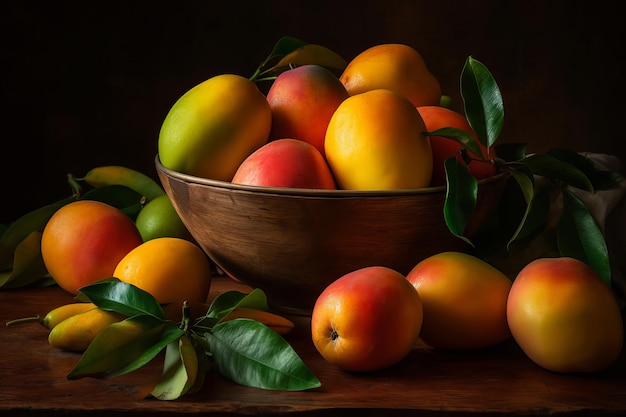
214, 126
564, 317
464, 301
78, 331
303, 100
367, 320
286, 163
61, 313
375, 141
396, 67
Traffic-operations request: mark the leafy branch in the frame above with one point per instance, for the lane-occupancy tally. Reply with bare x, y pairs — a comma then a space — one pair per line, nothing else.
578, 234
242, 350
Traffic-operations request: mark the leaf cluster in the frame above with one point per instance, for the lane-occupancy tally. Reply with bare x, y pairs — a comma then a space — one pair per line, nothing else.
524, 204
242, 350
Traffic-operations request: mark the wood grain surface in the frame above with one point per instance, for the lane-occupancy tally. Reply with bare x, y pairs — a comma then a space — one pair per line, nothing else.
497, 381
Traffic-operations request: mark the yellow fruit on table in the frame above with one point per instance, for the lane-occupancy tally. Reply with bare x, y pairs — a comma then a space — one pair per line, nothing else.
173, 270
59, 314
78, 331
214, 126
396, 67
158, 218
83, 242
375, 141
464, 300
564, 317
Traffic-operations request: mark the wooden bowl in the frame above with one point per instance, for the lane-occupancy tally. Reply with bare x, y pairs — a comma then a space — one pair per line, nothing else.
292, 243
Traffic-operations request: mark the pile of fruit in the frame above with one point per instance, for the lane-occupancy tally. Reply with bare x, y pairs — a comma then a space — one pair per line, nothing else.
364, 130
141, 285
377, 122
558, 310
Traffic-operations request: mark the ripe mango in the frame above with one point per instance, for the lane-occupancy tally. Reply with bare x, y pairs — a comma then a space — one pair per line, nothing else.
59, 314
78, 331
214, 126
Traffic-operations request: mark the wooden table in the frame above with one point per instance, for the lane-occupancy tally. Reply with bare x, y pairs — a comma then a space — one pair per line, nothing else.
498, 381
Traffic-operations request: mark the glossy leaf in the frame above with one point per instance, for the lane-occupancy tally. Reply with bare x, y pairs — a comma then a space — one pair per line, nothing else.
122, 297
122, 347
251, 354
286, 45
180, 370
484, 108
578, 236
124, 198
537, 215
464, 138
461, 195
224, 303
28, 265
170, 332
527, 187
282, 47
511, 152
600, 179
550, 167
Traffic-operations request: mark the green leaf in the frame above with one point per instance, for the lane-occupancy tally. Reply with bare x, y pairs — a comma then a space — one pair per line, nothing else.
600, 179
537, 214
224, 303
282, 47
119, 196
525, 182
548, 166
578, 236
28, 265
464, 138
180, 370
170, 332
124, 347
461, 195
123, 298
174, 378
251, 354
285, 45
511, 152
482, 99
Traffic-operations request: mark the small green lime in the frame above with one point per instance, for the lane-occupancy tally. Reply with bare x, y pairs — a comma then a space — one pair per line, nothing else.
158, 218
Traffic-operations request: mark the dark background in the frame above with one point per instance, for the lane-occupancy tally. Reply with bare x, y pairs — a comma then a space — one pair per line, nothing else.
89, 83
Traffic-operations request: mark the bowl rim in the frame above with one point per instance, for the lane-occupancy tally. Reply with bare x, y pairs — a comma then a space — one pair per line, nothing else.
309, 192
